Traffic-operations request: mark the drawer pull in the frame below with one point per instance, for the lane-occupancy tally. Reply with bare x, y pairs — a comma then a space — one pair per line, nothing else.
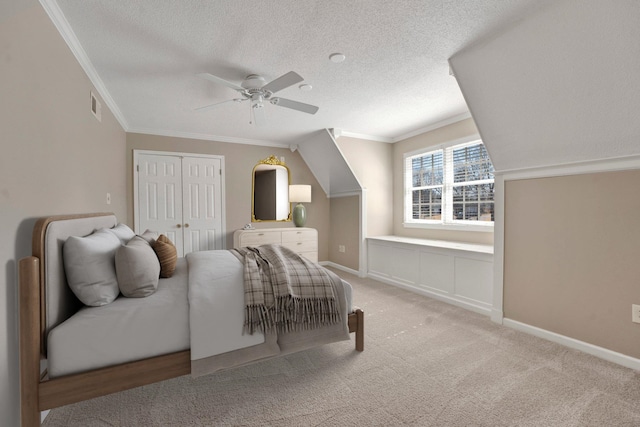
260, 234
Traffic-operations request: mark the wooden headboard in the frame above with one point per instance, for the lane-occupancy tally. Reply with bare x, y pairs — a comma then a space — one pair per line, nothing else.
57, 302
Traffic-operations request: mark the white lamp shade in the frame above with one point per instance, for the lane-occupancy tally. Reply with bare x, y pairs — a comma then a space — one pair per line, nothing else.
299, 193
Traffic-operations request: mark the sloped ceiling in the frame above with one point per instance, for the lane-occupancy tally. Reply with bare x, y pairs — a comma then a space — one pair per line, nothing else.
327, 163
561, 86
144, 56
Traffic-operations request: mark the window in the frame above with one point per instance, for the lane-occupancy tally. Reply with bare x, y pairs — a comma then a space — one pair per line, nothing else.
449, 186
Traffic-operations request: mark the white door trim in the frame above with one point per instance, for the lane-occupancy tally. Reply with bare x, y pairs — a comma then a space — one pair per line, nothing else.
137, 153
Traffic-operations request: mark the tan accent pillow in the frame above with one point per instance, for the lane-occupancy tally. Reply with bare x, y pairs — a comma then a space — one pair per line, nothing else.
167, 255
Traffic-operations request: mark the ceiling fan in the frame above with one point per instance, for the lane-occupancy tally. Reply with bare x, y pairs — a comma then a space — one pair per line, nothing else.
255, 89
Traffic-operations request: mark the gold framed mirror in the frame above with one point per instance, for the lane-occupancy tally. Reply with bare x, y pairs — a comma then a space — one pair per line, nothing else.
270, 191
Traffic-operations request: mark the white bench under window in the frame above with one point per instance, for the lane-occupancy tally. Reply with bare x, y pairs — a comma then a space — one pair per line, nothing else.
457, 273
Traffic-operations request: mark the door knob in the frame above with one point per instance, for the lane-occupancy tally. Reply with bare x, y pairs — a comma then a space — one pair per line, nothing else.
179, 225
186, 225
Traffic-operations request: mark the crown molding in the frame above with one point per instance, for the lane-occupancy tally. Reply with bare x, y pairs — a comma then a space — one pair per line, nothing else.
57, 17
364, 136
207, 137
433, 126
612, 164
429, 128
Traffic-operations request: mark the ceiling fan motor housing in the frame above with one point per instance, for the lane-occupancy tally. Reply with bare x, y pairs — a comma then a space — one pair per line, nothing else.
253, 81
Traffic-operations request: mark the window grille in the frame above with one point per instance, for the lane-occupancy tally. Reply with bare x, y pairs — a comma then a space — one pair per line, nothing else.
451, 185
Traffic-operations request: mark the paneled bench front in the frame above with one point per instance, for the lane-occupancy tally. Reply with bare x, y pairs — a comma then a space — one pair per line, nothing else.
457, 273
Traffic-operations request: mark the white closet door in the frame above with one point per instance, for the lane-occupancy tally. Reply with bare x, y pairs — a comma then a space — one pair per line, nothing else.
160, 196
202, 206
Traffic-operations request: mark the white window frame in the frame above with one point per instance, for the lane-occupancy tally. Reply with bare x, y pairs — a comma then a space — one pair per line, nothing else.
446, 222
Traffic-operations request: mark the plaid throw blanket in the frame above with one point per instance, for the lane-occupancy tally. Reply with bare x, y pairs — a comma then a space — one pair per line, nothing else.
284, 291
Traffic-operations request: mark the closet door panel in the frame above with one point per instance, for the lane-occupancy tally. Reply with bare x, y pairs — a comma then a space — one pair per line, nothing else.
202, 204
160, 196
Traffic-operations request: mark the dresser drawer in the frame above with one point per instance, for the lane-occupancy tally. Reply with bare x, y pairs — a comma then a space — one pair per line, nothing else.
299, 236
260, 238
311, 256
302, 241
308, 246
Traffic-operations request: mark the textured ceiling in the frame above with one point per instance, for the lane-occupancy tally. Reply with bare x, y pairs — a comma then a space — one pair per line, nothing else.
144, 56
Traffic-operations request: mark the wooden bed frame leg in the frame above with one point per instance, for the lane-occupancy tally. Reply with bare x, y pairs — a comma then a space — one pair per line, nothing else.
29, 295
360, 330
356, 324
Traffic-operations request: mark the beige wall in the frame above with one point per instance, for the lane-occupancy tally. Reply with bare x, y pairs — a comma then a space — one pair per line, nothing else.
372, 164
445, 134
571, 256
239, 162
345, 230
56, 158
379, 168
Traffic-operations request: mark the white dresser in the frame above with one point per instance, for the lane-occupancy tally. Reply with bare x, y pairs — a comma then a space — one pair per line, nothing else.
299, 239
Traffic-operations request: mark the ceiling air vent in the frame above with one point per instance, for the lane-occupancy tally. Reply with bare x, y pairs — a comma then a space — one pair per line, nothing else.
96, 108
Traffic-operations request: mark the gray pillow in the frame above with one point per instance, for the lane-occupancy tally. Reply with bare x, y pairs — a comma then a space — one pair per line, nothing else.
89, 267
122, 232
137, 269
150, 236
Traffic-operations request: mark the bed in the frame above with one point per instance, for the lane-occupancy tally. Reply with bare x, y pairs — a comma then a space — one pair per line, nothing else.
51, 319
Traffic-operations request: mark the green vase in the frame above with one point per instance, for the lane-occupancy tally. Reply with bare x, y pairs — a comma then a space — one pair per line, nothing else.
299, 215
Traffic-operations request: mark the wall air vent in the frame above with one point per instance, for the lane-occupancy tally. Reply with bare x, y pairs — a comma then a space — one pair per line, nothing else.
96, 107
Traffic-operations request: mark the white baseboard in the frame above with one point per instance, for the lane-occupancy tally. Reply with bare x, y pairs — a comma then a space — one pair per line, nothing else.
341, 267
497, 316
594, 350
444, 298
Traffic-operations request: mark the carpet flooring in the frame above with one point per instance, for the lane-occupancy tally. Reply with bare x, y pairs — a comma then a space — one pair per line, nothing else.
426, 363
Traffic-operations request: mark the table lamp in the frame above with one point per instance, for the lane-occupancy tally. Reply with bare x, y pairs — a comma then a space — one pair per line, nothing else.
299, 194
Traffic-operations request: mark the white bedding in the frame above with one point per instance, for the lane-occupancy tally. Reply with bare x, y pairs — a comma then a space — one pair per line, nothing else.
216, 305
128, 329
131, 329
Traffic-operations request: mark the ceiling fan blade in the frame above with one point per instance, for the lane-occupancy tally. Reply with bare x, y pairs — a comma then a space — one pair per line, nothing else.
295, 105
259, 118
223, 82
212, 106
283, 82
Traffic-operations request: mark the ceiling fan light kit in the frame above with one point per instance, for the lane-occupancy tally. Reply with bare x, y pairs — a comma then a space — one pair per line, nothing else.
255, 89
